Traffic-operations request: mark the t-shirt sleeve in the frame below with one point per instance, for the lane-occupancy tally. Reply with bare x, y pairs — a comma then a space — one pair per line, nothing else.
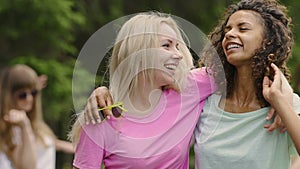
205, 82
88, 155
296, 103
296, 106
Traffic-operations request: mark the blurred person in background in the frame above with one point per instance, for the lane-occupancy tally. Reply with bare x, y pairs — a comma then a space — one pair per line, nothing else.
26, 140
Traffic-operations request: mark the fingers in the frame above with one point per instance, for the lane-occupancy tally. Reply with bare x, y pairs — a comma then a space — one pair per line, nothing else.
283, 130
275, 68
16, 117
282, 84
266, 87
266, 81
270, 127
277, 124
273, 89
270, 113
99, 98
91, 110
274, 126
277, 76
104, 99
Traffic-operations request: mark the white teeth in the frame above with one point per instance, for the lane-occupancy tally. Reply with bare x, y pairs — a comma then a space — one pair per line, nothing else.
171, 67
233, 46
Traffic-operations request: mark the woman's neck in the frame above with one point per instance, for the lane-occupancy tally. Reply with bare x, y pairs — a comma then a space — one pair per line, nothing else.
144, 99
243, 97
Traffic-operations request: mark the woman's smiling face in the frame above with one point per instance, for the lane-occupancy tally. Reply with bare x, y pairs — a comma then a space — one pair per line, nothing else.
244, 33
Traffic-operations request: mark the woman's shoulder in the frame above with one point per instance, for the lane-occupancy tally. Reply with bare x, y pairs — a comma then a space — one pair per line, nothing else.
203, 78
201, 74
199, 71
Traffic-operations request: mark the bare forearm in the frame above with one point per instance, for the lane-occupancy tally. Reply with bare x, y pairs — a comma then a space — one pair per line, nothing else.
28, 156
290, 119
64, 146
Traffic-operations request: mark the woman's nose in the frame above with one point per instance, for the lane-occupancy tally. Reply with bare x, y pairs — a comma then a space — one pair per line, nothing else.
230, 34
177, 54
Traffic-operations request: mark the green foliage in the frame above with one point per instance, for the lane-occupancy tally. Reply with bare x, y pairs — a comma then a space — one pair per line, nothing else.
97, 14
293, 63
293, 9
38, 27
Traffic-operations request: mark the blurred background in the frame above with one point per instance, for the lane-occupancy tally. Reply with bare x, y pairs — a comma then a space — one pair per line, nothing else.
49, 34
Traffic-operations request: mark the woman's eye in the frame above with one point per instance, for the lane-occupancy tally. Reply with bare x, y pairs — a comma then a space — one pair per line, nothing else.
243, 29
166, 45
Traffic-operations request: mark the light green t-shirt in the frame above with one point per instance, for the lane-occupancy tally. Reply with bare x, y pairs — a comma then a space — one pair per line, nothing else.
239, 141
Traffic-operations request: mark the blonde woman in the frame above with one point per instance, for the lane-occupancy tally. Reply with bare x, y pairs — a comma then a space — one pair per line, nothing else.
150, 74
26, 140
22, 126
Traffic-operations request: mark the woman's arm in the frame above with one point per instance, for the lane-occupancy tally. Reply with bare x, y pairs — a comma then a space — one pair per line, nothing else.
279, 94
24, 156
64, 146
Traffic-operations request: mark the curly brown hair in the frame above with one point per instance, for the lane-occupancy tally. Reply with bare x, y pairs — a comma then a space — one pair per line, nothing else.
275, 48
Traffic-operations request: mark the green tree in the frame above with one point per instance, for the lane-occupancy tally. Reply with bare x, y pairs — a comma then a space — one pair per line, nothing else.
42, 28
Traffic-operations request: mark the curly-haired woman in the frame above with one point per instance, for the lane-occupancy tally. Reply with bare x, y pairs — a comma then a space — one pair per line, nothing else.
251, 39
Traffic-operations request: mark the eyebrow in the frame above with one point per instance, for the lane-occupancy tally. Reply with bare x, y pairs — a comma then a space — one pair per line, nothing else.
171, 40
240, 24
168, 40
243, 23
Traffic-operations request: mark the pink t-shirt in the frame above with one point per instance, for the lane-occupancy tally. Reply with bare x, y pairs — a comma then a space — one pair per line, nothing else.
158, 140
